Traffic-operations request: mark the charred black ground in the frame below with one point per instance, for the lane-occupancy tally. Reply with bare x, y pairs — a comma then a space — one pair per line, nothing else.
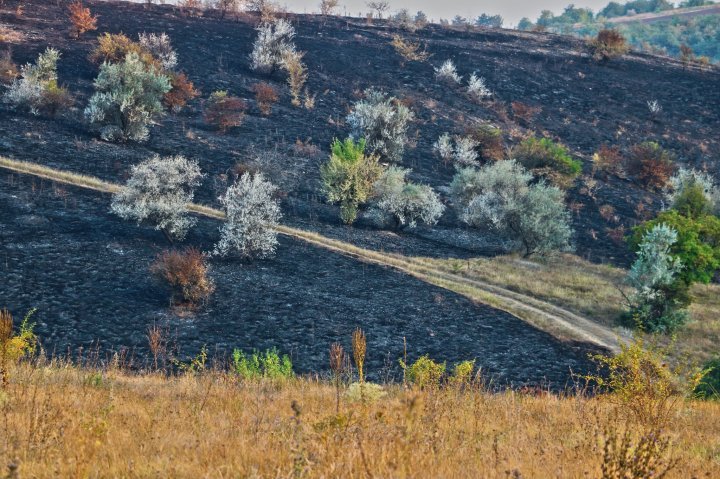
87, 271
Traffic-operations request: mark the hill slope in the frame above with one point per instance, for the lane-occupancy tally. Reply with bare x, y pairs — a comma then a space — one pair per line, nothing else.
305, 299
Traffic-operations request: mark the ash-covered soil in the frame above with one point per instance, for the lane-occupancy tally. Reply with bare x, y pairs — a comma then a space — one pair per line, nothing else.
583, 104
87, 273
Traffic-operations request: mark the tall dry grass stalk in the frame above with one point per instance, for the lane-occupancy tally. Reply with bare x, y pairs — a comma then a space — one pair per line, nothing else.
359, 345
6, 328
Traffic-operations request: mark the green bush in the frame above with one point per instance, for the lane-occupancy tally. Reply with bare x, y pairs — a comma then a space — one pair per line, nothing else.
348, 176
697, 246
269, 365
463, 373
424, 373
544, 153
709, 387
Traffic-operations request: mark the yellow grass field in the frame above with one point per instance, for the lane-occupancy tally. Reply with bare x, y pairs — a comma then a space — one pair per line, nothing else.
61, 421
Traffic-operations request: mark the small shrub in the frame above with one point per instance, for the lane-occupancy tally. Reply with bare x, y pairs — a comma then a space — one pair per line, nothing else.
273, 44
444, 147
641, 381
267, 365
448, 73
383, 122
181, 92
709, 385
81, 19
13, 347
424, 373
608, 160
607, 45
463, 373
524, 112
348, 176
37, 89
114, 48
404, 203
409, 50
265, 96
160, 48
186, 274
128, 97
544, 153
224, 111
693, 193
651, 164
8, 68
252, 218
158, 192
477, 89
462, 153
402, 19
627, 457
297, 74
489, 142
532, 218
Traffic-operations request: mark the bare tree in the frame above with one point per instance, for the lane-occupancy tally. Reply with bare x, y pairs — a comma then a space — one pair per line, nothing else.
379, 7
327, 7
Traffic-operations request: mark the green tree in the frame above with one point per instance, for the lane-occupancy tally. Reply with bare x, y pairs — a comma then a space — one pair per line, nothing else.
697, 245
348, 176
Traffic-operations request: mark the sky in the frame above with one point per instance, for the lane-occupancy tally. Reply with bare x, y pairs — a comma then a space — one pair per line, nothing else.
511, 10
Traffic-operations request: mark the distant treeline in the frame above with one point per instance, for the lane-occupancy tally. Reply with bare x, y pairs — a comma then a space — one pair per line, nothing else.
701, 33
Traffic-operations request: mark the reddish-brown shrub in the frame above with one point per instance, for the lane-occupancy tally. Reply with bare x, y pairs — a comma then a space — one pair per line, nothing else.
81, 18
651, 164
489, 140
607, 212
265, 95
617, 234
224, 111
185, 273
608, 44
182, 92
608, 160
525, 113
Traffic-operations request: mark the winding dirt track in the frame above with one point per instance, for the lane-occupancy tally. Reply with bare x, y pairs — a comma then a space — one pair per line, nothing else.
558, 321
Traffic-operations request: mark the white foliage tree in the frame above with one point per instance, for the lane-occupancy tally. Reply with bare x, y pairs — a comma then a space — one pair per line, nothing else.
404, 202
444, 147
273, 44
655, 304
498, 196
160, 47
383, 122
253, 213
477, 89
447, 72
686, 178
158, 193
128, 97
28, 90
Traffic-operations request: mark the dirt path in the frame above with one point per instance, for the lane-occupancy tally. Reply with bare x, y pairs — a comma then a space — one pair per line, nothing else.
545, 316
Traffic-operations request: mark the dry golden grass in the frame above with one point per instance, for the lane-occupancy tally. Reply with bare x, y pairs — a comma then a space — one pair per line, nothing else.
66, 422
594, 291
583, 287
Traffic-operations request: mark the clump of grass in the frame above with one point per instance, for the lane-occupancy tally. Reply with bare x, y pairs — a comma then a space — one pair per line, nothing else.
257, 365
